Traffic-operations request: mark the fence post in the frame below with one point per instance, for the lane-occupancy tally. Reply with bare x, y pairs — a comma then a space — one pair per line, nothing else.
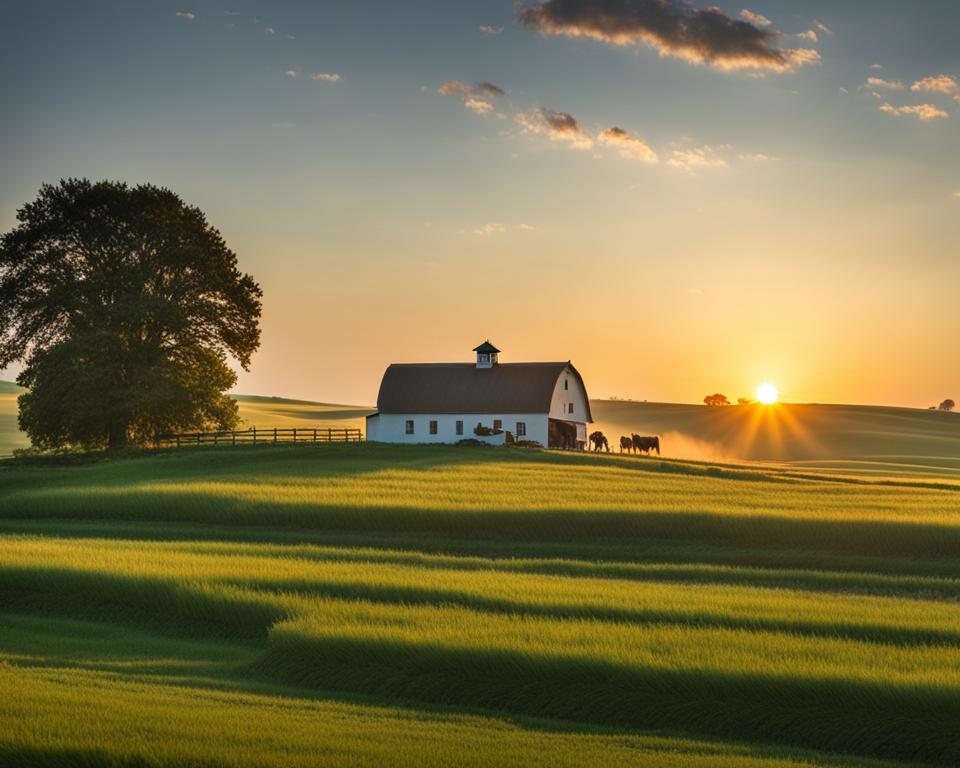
233, 438
274, 434
254, 435
314, 434
294, 434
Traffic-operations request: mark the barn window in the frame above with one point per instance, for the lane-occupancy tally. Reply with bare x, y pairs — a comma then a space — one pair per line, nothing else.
433, 427
497, 424
521, 429
566, 383
459, 427
570, 408
409, 426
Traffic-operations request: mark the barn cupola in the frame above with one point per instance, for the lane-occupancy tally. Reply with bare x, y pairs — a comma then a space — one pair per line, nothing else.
486, 355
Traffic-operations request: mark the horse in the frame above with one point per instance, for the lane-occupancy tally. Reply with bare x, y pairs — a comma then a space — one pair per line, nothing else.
646, 444
599, 441
626, 444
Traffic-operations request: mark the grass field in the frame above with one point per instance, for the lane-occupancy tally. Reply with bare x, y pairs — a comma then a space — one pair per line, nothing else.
316, 605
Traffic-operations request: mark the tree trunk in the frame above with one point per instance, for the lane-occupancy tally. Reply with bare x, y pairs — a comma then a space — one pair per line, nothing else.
117, 436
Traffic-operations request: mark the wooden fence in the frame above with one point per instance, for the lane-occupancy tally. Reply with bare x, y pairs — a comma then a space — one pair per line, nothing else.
254, 436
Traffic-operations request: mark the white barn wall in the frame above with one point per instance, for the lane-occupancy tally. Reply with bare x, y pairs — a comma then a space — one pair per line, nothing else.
562, 397
391, 427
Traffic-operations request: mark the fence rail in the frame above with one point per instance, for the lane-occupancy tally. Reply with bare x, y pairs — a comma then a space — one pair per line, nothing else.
254, 436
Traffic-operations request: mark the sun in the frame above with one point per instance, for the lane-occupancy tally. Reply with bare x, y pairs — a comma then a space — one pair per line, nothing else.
767, 393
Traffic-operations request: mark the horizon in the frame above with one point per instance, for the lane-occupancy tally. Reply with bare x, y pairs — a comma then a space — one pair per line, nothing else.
675, 220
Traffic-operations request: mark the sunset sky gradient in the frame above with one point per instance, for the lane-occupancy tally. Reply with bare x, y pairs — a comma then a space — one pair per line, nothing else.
681, 201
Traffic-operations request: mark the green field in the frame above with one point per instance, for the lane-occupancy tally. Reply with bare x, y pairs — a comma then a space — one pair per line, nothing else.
363, 604
255, 411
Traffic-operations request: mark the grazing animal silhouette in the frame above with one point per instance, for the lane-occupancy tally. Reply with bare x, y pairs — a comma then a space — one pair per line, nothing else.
626, 444
646, 444
599, 441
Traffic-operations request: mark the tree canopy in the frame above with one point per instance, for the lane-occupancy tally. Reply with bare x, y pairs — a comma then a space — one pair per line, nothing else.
716, 399
125, 306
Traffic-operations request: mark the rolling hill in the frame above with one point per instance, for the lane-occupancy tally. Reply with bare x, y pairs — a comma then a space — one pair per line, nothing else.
301, 605
874, 439
885, 441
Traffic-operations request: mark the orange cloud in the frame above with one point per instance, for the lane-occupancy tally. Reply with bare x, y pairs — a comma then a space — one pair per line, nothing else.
924, 112
705, 36
453, 88
479, 106
557, 126
628, 145
475, 97
938, 84
755, 18
879, 82
690, 159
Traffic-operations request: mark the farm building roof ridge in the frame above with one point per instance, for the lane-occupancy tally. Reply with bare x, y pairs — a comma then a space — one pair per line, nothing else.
464, 388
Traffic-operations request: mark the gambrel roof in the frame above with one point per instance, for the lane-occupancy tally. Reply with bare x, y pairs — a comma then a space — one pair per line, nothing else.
449, 388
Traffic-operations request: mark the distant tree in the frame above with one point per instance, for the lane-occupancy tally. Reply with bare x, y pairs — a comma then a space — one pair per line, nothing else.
716, 399
947, 405
125, 306
744, 401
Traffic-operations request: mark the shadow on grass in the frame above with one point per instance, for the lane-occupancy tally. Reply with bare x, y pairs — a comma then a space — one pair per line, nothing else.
914, 723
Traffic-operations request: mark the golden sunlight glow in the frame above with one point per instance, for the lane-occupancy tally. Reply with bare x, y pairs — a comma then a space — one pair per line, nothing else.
767, 394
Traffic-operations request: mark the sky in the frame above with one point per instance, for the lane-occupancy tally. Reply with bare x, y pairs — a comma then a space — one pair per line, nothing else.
680, 198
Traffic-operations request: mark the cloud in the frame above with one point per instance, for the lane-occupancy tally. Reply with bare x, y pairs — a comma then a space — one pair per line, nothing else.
269, 31
757, 157
557, 126
938, 84
488, 89
673, 28
326, 77
628, 145
876, 66
808, 35
479, 106
231, 13
488, 230
879, 82
690, 159
755, 18
490, 31
185, 15
293, 72
823, 27
530, 227
476, 97
453, 88
924, 112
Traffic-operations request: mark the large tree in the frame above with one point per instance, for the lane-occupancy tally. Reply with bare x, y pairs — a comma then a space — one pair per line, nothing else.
125, 306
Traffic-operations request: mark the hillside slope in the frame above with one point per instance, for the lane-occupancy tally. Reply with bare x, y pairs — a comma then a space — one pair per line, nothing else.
866, 438
881, 440
276, 606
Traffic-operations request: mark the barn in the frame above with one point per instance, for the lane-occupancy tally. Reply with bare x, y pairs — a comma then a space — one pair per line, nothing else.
545, 403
